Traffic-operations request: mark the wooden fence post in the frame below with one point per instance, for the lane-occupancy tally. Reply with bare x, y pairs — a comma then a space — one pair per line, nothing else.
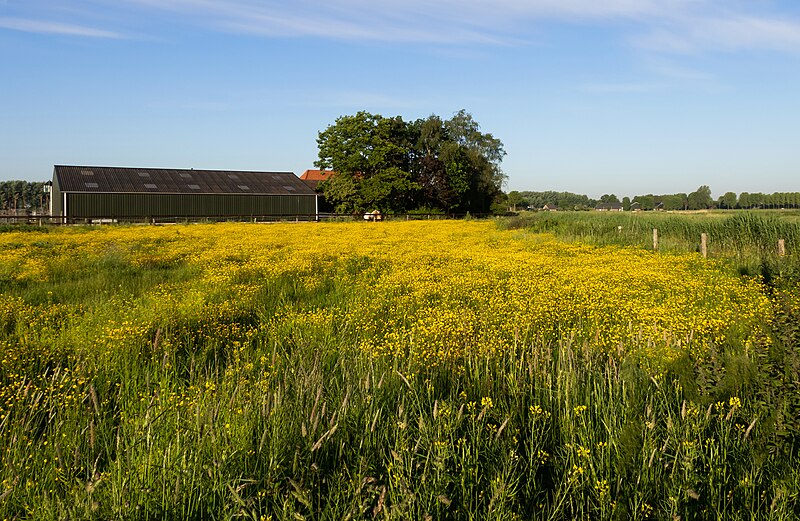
781, 247
704, 245
655, 239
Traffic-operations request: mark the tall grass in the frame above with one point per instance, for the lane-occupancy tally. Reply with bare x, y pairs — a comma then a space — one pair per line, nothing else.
747, 239
318, 431
246, 413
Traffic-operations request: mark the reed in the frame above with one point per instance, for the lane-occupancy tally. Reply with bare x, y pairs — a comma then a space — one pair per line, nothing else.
747, 240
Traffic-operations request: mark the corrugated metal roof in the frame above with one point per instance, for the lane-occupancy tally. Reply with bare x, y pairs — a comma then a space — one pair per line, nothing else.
104, 179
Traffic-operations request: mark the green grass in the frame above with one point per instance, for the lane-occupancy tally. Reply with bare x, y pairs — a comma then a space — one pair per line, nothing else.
245, 414
320, 432
748, 240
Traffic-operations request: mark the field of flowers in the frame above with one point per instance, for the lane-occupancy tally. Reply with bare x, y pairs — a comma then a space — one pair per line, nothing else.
397, 370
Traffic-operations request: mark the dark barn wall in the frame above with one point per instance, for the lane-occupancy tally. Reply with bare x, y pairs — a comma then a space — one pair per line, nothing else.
137, 205
56, 198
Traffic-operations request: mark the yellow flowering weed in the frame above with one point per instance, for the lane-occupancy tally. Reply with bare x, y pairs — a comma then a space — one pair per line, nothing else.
432, 291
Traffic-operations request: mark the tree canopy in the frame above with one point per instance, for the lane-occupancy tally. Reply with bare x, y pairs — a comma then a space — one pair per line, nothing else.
393, 165
563, 200
22, 196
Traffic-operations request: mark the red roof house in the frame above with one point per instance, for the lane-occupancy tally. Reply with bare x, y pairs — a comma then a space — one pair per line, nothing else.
313, 177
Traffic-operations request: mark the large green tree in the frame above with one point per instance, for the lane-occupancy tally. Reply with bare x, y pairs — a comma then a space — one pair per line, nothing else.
392, 165
369, 154
473, 163
700, 199
727, 201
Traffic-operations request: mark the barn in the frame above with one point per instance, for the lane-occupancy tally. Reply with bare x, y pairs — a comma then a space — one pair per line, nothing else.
93, 192
313, 178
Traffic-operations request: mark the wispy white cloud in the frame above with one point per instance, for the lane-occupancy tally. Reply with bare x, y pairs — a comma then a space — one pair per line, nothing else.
665, 26
49, 27
346, 20
726, 33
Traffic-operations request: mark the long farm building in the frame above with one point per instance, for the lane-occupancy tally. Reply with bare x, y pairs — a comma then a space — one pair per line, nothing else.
92, 192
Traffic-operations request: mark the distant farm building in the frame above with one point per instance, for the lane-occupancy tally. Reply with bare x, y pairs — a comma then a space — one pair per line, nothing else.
314, 177
550, 208
92, 192
608, 207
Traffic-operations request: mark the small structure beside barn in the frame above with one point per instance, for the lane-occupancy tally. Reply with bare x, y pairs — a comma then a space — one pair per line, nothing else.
92, 192
314, 177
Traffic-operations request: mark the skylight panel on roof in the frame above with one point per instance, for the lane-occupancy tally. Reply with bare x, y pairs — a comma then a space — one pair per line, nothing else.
151, 186
186, 176
289, 188
144, 174
194, 187
233, 176
243, 187
91, 185
87, 172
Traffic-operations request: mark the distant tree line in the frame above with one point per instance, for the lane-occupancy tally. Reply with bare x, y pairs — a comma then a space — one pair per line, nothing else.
427, 165
537, 200
700, 199
21, 197
759, 200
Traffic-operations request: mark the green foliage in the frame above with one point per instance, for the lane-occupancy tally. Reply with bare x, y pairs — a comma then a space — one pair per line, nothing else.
515, 199
727, 201
394, 166
369, 154
774, 200
171, 429
661, 202
746, 240
700, 199
562, 200
697, 200
22, 196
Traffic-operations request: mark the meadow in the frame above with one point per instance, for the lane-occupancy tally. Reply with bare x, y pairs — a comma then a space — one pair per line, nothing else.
395, 370
746, 239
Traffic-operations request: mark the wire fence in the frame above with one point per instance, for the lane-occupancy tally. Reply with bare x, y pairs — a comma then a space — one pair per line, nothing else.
48, 220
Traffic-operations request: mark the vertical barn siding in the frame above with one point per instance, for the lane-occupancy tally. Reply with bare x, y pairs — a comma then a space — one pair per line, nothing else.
56, 198
85, 205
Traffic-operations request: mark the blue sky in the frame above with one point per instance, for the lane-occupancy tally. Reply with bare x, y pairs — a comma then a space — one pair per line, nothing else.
614, 96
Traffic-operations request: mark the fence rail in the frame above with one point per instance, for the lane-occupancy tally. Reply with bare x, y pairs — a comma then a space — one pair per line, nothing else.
47, 220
